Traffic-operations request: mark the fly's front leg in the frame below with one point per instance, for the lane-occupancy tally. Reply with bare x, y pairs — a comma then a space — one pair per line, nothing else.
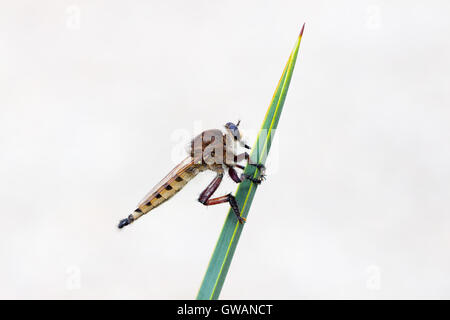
246, 156
242, 156
257, 180
261, 168
211, 188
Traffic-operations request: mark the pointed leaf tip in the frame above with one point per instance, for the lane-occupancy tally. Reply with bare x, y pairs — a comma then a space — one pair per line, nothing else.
301, 31
222, 256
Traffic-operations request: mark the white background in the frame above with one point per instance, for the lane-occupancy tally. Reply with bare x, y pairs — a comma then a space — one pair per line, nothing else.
95, 94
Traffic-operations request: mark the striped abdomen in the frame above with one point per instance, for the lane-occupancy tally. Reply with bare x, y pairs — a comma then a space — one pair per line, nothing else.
169, 186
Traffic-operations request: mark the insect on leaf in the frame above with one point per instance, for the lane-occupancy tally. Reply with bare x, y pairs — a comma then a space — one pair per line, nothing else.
231, 231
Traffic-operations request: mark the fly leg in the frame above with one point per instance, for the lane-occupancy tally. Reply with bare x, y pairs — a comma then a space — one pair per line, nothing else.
233, 203
242, 156
235, 177
246, 156
257, 180
261, 168
211, 188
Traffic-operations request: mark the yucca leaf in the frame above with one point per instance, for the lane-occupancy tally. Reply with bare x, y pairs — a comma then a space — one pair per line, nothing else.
231, 231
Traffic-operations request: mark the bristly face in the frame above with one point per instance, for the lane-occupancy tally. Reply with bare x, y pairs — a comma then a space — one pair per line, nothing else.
233, 129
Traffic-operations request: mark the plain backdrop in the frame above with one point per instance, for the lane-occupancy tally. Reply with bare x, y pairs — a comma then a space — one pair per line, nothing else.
96, 98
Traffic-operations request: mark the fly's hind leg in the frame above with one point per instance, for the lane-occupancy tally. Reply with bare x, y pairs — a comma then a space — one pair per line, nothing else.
233, 203
242, 156
211, 188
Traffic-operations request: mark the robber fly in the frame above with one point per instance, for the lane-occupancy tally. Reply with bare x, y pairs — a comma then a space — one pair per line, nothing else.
211, 150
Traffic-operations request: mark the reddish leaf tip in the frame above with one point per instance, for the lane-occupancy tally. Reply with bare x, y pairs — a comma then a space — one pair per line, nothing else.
301, 31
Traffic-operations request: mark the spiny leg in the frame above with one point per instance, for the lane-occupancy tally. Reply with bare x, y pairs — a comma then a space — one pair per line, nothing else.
257, 180
231, 200
246, 156
233, 174
241, 156
261, 177
235, 177
211, 188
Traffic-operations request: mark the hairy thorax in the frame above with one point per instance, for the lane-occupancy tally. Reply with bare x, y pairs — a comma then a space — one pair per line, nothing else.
214, 150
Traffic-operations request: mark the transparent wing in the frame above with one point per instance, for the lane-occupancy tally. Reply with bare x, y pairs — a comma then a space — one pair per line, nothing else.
181, 167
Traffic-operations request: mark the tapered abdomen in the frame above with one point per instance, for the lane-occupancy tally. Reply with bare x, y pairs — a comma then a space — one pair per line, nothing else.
169, 186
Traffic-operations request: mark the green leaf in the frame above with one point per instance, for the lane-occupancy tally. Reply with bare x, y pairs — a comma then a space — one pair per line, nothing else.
231, 231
